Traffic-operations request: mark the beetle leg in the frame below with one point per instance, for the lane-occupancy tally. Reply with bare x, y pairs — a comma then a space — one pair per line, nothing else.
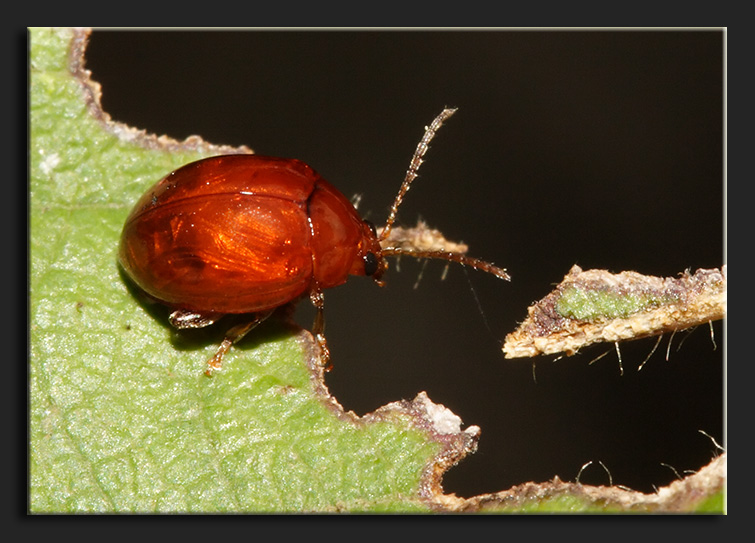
183, 318
318, 328
232, 336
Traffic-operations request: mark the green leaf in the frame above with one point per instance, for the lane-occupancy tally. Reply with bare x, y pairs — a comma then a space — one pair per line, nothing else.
122, 417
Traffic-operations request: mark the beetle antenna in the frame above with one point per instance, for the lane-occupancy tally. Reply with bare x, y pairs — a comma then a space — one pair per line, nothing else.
414, 165
459, 258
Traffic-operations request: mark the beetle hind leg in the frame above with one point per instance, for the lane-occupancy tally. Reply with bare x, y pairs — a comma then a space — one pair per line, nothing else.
183, 319
232, 336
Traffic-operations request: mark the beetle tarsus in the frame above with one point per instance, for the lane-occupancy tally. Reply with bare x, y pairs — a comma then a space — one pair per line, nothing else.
232, 336
183, 319
318, 327
322, 344
214, 364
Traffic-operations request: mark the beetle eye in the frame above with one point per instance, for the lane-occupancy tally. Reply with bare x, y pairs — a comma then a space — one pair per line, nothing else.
372, 227
370, 264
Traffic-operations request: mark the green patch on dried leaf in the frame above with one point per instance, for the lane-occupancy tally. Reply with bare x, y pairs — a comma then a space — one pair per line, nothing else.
582, 304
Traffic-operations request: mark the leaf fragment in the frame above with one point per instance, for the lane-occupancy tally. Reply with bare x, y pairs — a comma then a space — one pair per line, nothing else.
598, 306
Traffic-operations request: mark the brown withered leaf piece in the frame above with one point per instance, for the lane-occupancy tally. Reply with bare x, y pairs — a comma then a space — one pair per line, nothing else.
422, 238
597, 306
681, 496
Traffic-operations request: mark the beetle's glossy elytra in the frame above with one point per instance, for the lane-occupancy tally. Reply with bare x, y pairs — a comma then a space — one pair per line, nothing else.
242, 234
246, 234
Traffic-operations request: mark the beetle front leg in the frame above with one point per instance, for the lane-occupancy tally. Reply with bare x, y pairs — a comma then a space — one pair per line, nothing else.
233, 336
318, 328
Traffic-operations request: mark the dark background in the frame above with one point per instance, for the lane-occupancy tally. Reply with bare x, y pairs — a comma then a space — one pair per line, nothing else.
600, 148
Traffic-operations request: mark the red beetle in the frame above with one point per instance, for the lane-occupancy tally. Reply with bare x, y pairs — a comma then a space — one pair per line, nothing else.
246, 234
